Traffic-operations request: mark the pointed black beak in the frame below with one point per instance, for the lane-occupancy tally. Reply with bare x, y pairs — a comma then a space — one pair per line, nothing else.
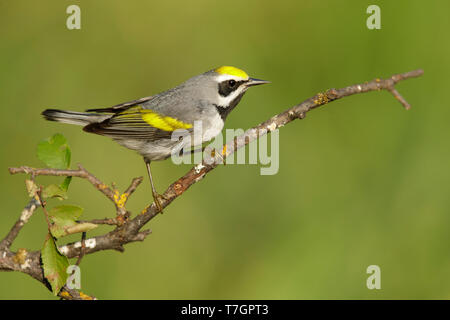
255, 82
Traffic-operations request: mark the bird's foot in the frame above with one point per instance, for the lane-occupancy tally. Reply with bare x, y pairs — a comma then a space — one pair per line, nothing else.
159, 198
220, 156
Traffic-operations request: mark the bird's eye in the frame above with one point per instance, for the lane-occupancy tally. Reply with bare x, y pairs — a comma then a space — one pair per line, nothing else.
231, 83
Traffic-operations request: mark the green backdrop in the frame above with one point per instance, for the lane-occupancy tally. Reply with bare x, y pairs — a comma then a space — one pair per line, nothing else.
361, 181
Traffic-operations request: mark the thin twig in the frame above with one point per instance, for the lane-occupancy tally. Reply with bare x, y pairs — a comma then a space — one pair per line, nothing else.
25, 216
107, 221
82, 250
133, 186
42, 203
111, 194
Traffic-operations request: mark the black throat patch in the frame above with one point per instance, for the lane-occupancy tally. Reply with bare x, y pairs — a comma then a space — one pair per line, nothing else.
225, 110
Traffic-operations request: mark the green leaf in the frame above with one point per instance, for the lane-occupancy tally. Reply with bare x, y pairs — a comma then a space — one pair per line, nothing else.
54, 264
54, 152
54, 191
64, 222
65, 212
66, 183
63, 217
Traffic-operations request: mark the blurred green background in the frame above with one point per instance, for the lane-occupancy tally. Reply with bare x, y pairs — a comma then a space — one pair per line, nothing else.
361, 181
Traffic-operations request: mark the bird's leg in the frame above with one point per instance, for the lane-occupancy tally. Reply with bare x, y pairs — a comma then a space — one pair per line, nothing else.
156, 197
191, 151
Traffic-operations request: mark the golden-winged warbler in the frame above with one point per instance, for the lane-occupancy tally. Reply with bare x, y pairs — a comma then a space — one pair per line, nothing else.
147, 124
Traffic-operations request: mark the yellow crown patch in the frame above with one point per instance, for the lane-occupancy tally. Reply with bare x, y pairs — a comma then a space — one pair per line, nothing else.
232, 71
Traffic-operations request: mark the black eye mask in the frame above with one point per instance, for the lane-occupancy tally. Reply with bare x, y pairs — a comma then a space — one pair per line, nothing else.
228, 86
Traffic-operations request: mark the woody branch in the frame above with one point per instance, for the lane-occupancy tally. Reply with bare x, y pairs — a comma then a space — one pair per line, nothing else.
129, 229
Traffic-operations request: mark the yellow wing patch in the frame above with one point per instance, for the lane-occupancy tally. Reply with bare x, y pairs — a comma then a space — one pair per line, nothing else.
163, 122
232, 71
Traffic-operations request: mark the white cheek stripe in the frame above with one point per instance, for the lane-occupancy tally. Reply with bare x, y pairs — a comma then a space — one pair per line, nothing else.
225, 101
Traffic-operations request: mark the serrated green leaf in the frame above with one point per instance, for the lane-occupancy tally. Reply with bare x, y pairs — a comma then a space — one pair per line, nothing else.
65, 184
62, 218
54, 152
54, 264
54, 191
65, 212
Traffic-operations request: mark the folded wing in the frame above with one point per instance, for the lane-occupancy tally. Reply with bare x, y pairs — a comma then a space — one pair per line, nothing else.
136, 122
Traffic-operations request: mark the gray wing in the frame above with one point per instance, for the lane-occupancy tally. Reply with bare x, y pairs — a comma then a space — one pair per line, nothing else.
122, 106
138, 123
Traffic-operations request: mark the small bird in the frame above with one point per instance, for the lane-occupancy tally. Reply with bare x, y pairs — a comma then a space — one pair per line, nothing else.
146, 125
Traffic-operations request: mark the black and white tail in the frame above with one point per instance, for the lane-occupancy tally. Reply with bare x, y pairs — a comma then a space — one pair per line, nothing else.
72, 117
